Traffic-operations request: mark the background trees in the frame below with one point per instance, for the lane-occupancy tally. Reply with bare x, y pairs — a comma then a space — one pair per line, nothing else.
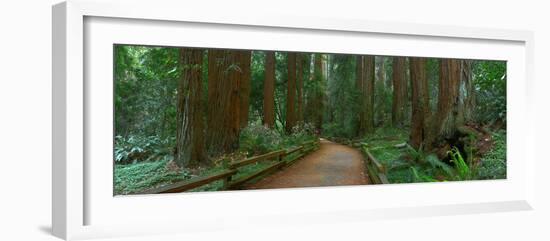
399, 80
170, 100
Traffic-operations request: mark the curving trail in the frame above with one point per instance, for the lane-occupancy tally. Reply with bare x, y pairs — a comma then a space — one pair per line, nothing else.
331, 165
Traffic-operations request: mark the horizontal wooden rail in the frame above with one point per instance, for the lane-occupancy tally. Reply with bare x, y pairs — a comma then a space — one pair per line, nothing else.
227, 175
261, 172
376, 163
192, 183
256, 159
292, 150
376, 170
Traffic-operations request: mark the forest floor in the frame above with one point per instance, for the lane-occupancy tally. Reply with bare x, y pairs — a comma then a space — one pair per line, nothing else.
331, 165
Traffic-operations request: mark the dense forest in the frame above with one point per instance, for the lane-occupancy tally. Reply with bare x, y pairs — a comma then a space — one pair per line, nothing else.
186, 112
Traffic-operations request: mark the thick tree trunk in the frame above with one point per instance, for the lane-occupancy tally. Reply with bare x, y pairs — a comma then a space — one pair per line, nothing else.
269, 90
245, 86
190, 127
399, 77
291, 93
299, 88
369, 72
419, 118
468, 94
448, 98
318, 107
223, 101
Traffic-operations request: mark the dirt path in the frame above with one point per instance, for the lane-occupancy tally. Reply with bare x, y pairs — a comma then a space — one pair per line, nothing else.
331, 165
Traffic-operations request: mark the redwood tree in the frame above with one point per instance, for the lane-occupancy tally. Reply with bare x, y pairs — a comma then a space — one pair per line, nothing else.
245, 58
291, 93
317, 106
468, 94
359, 83
189, 127
399, 78
369, 72
299, 88
224, 78
269, 90
420, 133
448, 100
364, 82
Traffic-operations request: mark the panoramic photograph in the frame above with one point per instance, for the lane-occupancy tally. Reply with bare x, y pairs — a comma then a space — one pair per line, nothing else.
202, 119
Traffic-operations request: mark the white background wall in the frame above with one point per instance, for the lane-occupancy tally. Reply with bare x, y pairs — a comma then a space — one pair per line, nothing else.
25, 122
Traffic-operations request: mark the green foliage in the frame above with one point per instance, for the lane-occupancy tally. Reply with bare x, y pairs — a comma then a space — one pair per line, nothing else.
341, 92
490, 88
493, 163
421, 177
257, 139
146, 80
463, 170
137, 148
145, 90
257, 75
435, 163
134, 178
383, 91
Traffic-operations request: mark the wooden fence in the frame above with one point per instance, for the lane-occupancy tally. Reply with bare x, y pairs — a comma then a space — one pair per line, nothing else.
282, 159
376, 170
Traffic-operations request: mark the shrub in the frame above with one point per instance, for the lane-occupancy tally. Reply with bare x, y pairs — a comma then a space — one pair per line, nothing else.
493, 163
258, 139
134, 178
137, 148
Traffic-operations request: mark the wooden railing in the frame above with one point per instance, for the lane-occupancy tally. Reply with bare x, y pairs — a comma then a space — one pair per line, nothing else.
282, 158
377, 171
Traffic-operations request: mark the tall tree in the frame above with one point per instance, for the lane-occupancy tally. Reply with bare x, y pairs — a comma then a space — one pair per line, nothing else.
420, 117
318, 92
365, 76
291, 92
369, 72
245, 58
359, 85
223, 100
399, 78
468, 95
299, 88
448, 98
189, 127
381, 71
269, 90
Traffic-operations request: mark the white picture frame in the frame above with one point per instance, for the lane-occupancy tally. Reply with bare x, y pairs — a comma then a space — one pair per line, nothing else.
84, 207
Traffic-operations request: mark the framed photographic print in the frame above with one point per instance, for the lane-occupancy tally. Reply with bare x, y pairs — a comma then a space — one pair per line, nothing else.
179, 121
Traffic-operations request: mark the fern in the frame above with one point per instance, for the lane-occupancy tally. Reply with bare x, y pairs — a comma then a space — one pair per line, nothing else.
438, 164
463, 170
418, 177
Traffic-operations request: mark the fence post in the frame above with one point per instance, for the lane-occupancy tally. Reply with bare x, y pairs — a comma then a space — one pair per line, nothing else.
226, 182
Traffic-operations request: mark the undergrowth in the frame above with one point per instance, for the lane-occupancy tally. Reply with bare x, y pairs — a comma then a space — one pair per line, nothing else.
140, 166
133, 178
408, 165
493, 163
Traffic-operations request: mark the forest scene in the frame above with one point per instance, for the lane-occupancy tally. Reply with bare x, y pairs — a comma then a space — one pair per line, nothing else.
197, 119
